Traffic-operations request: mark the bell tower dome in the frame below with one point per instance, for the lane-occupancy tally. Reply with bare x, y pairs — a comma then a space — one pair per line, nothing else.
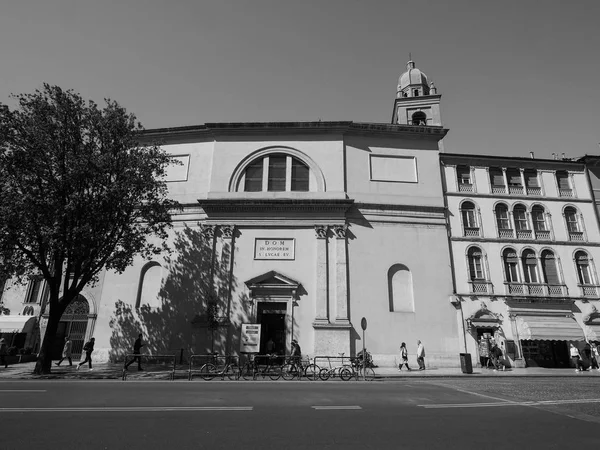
417, 101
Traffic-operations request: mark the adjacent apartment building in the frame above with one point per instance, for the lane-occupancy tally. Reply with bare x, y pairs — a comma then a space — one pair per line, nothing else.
524, 236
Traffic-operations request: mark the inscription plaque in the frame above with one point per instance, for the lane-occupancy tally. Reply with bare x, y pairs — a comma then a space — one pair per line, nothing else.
274, 248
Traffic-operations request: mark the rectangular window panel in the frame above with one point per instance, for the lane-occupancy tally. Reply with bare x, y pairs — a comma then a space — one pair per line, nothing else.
572, 224
34, 290
539, 223
463, 174
393, 168
277, 165
520, 220
511, 272
584, 274
300, 176
254, 176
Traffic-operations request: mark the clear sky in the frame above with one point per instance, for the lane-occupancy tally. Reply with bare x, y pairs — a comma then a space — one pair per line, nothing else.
515, 75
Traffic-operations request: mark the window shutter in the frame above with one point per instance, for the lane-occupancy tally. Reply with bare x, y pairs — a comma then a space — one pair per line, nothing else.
511, 257
514, 177
549, 268
497, 177
531, 179
563, 180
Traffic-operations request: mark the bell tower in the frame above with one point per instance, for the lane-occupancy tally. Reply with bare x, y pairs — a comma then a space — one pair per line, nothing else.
417, 101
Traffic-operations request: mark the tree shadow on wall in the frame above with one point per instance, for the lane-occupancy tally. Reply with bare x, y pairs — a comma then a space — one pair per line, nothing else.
183, 321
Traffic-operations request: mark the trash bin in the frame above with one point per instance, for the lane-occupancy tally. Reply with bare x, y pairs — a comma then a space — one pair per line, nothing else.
465, 363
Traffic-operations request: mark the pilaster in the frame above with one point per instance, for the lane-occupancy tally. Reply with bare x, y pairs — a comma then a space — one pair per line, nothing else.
341, 275
322, 285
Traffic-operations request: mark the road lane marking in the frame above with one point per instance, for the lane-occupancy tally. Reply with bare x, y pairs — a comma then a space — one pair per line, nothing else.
510, 403
336, 407
22, 390
131, 409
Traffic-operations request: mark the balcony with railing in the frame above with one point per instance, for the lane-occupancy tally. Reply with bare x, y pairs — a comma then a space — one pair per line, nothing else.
576, 236
542, 235
589, 290
534, 190
472, 232
536, 289
515, 190
506, 233
481, 287
498, 189
524, 234
465, 187
563, 192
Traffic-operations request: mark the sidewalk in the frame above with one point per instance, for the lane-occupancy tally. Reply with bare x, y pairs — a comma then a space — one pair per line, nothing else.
110, 371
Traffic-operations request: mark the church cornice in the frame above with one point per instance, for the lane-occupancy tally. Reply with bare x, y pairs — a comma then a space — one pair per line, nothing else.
215, 130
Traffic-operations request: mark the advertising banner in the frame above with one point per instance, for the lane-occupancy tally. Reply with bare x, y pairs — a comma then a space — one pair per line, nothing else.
250, 341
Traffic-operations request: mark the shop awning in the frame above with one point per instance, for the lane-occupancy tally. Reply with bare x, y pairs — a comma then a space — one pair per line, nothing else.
16, 324
484, 323
549, 328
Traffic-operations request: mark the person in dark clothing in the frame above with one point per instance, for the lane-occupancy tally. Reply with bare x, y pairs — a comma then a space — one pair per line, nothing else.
88, 348
3, 352
137, 348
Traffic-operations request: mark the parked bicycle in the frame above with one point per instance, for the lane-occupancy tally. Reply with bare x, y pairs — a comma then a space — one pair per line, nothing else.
293, 368
253, 368
343, 371
360, 371
219, 366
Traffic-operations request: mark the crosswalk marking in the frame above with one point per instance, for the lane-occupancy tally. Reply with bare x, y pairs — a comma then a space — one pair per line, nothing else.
131, 409
336, 407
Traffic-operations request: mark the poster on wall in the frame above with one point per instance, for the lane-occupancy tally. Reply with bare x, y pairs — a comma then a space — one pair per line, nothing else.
250, 341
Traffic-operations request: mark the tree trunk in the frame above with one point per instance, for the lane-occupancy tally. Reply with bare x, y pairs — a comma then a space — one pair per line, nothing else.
44, 361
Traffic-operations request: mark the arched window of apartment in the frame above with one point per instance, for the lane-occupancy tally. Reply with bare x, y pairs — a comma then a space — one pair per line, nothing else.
400, 287
276, 172
419, 118
476, 265
550, 268
511, 265
538, 217
520, 217
584, 269
503, 221
530, 269
469, 219
149, 285
463, 175
573, 223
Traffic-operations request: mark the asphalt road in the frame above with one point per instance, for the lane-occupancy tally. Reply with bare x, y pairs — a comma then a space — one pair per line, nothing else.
444, 414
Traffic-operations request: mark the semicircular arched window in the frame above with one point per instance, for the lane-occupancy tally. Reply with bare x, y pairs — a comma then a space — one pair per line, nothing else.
276, 172
149, 286
400, 286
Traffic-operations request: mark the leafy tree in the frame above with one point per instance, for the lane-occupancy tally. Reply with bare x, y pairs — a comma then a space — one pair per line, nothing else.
79, 192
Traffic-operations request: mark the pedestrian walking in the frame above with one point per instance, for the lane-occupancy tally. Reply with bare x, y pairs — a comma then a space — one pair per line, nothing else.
484, 352
403, 357
576, 358
595, 356
66, 353
137, 349
88, 348
421, 355
3, 352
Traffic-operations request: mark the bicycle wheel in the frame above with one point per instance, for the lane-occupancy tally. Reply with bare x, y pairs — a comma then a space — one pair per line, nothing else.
274, 373
208, 371
324, 374
367, 374
345, 373
312, 372
289, 371
232, 371
247, 372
